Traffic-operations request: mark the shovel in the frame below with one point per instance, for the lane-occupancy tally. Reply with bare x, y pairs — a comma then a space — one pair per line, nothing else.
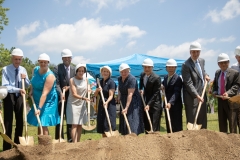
61, 122
27, 140
38, 119
149, 120
88, 127
111, 133
3, 126
167, 110
194, 126
126, 120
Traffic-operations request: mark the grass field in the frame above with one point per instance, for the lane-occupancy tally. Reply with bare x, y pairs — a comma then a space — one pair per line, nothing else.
32, 131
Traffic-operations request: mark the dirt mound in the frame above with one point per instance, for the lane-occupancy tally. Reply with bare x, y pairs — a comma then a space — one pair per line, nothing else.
202, 144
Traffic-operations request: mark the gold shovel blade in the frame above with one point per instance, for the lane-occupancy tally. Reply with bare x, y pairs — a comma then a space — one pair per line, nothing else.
191, 126
7, 139
26, 141
58, 140
113, 134
88, 127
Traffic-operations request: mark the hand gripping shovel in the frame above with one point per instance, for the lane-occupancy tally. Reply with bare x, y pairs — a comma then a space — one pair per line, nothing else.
126, 120
61, 122
88, 127
194, 126
167, 110
27, 140
149, 120
111, 133
38, 119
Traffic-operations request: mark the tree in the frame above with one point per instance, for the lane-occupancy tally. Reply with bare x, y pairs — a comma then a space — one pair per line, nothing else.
3, 16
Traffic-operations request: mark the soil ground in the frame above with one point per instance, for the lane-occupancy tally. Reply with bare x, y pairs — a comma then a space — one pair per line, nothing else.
202, 144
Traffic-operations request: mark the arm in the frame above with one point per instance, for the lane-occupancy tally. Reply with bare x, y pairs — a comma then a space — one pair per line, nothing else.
187, 81
235, 85
46, 89
110, 97
5, 82
129, 99
55, 71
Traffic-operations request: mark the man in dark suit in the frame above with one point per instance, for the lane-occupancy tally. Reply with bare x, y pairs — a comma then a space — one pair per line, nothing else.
226, 83
194, 75
151, 84
63, 73
173, 86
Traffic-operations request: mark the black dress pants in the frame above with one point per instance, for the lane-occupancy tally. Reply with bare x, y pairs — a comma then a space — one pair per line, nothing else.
176, 120
155, 119
13, 103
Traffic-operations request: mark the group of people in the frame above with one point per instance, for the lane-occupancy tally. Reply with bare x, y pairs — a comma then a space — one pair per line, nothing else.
47, 87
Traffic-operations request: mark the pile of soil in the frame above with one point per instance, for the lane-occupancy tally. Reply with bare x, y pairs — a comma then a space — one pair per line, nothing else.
202, 144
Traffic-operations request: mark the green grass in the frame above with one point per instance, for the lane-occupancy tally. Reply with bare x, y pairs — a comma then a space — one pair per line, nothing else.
32, 131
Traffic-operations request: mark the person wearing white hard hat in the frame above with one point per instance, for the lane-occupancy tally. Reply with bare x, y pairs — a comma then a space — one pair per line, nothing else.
76, 105
130, 98
12, 76
194, 76
172, 85
63, 72
236, 66
43, 90
108, 87
226, 83
149, 87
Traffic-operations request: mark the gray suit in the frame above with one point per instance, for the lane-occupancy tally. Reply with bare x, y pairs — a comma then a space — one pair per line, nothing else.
193, 86
61, 81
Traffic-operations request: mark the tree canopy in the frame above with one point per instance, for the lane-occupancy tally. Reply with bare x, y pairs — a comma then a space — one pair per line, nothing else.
3, 16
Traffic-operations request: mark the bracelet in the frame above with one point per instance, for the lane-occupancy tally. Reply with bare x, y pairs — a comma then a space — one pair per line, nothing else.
39, 108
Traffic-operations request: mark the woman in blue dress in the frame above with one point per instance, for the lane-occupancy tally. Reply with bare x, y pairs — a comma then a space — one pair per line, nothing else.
43, 90
108, 87
130, 97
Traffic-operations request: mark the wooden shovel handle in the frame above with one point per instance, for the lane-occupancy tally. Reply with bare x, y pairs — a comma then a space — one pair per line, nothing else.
167, 110
219, 96
200, 103
24, 108
61, 120
149, 120
126, 120
38, 119
3, 126
110, 127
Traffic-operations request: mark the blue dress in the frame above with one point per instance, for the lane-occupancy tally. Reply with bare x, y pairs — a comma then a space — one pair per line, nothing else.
49, 114
135, 110
102, 123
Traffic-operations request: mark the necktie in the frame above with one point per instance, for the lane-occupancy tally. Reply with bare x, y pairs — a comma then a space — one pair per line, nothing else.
222, 84
16, 80
169, 77
199, 70
67, 68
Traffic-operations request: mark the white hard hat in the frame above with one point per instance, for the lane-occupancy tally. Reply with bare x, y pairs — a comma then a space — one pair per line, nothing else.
44, 57
66, 53
171, 62
3, 92
80, 65
123, 66
147, 62
223, 57
195, 46
17, 52
108, 68
237, 51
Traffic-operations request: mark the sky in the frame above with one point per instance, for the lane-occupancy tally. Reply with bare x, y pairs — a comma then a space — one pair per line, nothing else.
102, 30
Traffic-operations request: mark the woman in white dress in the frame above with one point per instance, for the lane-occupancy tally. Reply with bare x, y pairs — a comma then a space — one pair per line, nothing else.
76, 105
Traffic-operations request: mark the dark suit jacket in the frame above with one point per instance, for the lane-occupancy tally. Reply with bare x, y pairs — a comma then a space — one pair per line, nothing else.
152, 91
192, 82
61, 77
232, 82
173, 91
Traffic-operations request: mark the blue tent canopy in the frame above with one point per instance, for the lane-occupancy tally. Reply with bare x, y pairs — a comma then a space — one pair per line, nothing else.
135, 62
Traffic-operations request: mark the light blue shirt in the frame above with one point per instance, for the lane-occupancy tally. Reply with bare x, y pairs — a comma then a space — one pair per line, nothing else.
8, 78
219, 81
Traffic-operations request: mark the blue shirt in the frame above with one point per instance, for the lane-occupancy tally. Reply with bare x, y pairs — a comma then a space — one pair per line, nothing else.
8, 78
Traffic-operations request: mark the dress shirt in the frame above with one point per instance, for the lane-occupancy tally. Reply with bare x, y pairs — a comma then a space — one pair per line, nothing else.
8, 78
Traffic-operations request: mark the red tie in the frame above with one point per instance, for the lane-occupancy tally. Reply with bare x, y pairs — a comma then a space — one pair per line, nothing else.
222, 88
